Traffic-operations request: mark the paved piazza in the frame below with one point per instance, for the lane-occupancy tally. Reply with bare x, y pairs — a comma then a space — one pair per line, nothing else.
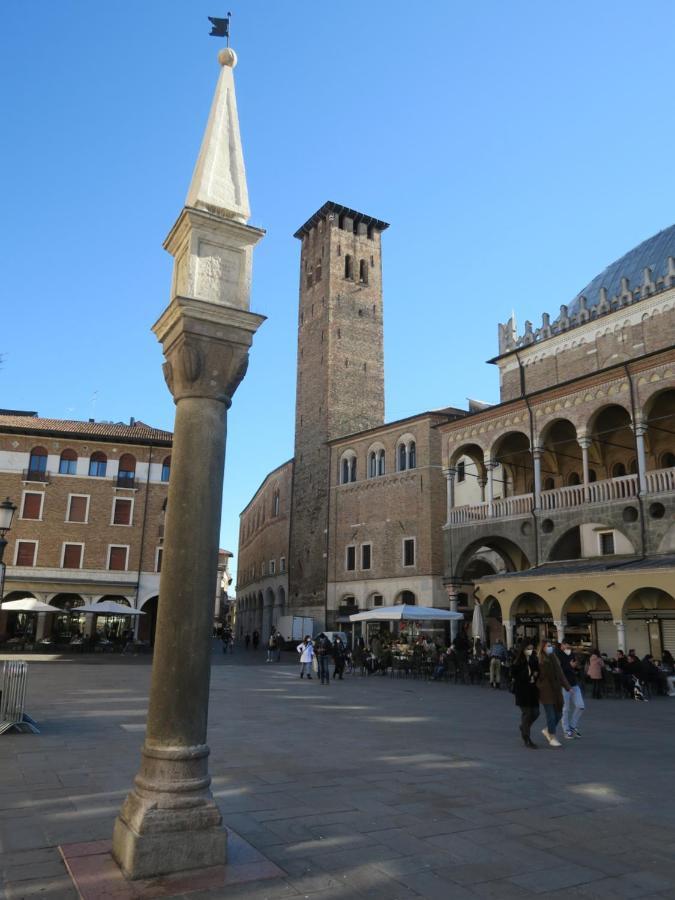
373, 787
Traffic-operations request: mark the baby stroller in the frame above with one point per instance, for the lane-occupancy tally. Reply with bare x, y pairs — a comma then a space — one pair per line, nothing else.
637, 689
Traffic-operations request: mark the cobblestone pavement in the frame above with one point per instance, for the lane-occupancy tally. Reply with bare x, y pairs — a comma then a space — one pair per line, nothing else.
370, 787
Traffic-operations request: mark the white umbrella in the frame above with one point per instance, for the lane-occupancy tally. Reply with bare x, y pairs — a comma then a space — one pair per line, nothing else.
29, 604
404, 613
478, 623
110, 608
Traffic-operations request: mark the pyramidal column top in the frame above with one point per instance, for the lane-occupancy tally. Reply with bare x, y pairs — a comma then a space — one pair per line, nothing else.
219, 179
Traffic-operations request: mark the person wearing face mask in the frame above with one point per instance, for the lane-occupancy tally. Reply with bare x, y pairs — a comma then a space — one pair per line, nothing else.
573, 700
551, 683
525, 672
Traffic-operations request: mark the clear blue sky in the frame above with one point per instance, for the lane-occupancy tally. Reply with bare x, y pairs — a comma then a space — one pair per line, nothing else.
516, 148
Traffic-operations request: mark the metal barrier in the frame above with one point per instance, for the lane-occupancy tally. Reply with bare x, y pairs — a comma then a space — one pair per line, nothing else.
13, 698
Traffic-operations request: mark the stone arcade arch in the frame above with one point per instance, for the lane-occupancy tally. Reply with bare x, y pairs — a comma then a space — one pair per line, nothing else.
513, 557
147, 624
588, 621
649, 619
531, 618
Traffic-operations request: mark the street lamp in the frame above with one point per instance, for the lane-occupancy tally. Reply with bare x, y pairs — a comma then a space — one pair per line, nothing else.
7, 510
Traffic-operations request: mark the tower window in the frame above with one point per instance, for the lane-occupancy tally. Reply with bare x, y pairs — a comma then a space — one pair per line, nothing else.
365, 556
461, 471
409, 552
402, 461
363, 272
412, 455
380, 463
350, 560
317, 272
372, 465
349, 266
309, 279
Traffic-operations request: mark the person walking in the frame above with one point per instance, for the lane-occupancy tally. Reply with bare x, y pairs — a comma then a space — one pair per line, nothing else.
525, 674
551, 682
279, 646
247, 640
596, 665
339, 658
573, 699
323, 649
306, 651
271, 646
497, 658
256, 639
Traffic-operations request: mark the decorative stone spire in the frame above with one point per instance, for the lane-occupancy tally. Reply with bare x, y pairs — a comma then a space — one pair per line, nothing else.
219, 179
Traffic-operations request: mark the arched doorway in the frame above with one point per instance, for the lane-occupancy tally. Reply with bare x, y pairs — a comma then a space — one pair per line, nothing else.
114, 627
148, 623
17, 625
588, 622
532, 619
649, 618
68, 623
492, 613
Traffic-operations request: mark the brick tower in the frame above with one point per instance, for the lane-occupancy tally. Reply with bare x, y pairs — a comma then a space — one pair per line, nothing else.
340, 382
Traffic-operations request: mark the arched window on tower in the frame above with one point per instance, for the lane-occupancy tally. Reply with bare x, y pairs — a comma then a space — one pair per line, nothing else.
363, 272
380, 463
412, 455
618, 470
352, 469
349, 266
275, 504
402, 458
372, 464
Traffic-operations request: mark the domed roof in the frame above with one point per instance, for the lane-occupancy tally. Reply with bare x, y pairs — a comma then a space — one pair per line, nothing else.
652, 253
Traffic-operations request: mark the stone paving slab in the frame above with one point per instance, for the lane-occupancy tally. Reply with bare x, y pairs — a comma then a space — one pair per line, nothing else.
373, 787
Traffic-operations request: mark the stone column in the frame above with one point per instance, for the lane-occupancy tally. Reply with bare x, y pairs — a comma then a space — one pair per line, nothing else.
170, 822
536, 458
585, 443
560, 629
452, 597
620, 635
508, 630
481, 484
450, 492
490, 465
640, 430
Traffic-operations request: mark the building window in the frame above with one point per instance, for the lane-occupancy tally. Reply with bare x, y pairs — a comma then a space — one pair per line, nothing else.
412, 455
273, 566
166, 469
98, 462
349, 266
409, 551
78, 508
317, 271
117, 558
668, 460
606, 543
25, 553
122, 511
377, 600
282, 564
275, 504
350, 562
363, 272
158, 559
402, 460
126, 473
68, 463
573, 478
37, 461
372, 464
365, 556
549, 484
32, 505
381, 468
348, 469
461, 471
72, 556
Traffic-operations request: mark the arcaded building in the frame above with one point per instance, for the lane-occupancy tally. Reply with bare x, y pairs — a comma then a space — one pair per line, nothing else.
91, 502
574, 533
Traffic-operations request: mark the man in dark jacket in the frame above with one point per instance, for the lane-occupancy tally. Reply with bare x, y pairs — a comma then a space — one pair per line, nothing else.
323, 652
573, 700
339, 658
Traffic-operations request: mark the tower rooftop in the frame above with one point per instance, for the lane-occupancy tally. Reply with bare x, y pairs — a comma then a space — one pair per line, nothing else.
337, 209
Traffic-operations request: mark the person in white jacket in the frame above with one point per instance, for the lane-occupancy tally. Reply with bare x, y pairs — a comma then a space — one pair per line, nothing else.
306, 651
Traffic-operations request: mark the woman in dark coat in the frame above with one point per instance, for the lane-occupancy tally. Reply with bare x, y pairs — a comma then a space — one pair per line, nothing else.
551, 684
525, 673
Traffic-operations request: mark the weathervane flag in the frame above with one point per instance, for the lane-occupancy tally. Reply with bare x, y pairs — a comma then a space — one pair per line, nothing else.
221, 27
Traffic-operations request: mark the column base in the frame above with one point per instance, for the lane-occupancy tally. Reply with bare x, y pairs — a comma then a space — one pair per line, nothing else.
169, 822
163, 853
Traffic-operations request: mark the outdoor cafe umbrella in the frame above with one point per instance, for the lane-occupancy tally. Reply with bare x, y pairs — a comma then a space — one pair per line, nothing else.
403, 612
478, 623
110, 608
29, 604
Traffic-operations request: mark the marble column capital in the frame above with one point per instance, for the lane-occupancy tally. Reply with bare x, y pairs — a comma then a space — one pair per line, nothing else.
206, 348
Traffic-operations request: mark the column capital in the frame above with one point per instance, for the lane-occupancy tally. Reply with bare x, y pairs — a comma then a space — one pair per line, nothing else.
206, 347
450, 471
537, 451
640, 428
584, 441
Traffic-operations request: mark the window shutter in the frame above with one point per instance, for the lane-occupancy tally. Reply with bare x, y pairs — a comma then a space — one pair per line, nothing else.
118, 559
122, 513
78, 509
31, 506
25, 553
72, 556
